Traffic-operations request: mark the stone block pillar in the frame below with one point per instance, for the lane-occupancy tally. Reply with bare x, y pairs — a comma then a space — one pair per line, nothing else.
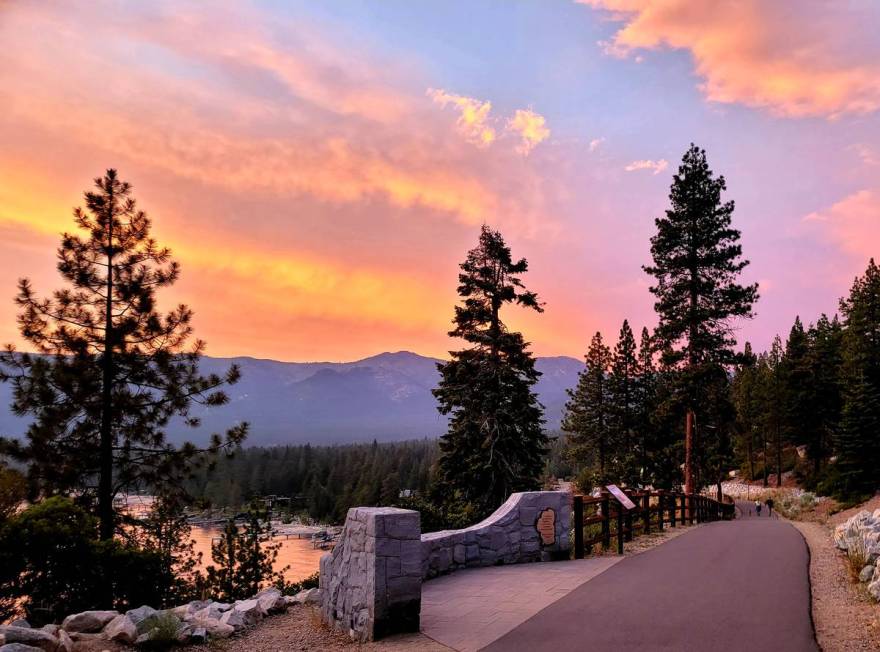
372, 581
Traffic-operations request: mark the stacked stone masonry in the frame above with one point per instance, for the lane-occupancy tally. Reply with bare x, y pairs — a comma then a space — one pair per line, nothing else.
509, 536
372, 581
371, 584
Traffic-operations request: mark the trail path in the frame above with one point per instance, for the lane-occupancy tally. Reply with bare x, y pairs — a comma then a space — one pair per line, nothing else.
740, 585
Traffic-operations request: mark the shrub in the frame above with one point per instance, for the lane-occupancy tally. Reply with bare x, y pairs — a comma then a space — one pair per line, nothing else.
857, 558
163, 629
53, 564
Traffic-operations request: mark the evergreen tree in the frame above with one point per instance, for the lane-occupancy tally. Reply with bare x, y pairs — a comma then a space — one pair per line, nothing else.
799, 386
825, 367
650, 449
624, 399
495, 443
110, 370
774, 407
857, 444
587, 416
697, 260
746, 403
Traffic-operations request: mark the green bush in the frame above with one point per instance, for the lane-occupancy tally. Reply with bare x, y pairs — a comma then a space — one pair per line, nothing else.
53, 564
163, 629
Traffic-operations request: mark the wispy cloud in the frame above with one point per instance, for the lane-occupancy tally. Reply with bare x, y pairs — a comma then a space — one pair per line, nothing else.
793, 58
596, 143
474, 121
531, 128
853, 223
646, 164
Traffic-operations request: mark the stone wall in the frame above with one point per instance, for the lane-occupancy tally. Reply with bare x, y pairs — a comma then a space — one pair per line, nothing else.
509, 536
372, 581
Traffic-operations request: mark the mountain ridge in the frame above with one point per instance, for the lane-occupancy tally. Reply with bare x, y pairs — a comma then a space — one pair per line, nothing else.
386, 396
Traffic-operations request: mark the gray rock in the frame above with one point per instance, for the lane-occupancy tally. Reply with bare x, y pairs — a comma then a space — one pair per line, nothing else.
307, 596
88, 621
19, 647
198, 635
122, 629
137, 616
65, 643
213, 627
51, 629
27, 636
21, 622
270, 600
866, 574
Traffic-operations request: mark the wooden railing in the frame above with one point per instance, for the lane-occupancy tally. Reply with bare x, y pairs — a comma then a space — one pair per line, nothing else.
603, 516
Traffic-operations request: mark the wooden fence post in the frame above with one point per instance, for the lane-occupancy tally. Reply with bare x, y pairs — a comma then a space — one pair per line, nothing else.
578, 527
619, 530
646, 512
674, 506
606, 523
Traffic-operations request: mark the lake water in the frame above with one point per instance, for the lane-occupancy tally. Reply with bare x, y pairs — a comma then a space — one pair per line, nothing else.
299, 554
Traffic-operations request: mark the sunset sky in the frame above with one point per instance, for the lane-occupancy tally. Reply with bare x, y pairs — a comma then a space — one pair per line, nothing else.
320, 168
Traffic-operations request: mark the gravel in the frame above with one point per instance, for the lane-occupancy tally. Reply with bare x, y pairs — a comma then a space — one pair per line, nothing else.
845, 617
301, 629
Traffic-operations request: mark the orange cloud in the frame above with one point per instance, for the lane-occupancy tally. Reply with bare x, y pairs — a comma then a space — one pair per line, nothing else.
853, 223
531, 128
473, 119
796, 59
646, 164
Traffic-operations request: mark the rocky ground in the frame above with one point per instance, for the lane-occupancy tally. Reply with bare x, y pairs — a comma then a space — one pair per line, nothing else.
301, 629
845, 617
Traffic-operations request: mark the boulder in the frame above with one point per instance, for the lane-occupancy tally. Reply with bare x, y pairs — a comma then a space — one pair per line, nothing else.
26, 636
874, 589
244, 614
51, 629
65, 643
137, 616
122, 629
270, 600
21, 622
18, 647
211, 611
308, 596
88, 621
198, 635
866, 574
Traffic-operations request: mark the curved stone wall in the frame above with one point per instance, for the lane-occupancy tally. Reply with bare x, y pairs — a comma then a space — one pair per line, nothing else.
530, 526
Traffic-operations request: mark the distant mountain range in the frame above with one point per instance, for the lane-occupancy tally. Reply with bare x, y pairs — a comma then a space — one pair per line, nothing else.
384, 397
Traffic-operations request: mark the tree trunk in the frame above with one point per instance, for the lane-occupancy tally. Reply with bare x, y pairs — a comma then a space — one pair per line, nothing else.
689, 452
751, 457
778, 458
105, 474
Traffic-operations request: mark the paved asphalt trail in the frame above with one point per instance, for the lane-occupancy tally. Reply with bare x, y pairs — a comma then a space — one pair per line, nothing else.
736, 585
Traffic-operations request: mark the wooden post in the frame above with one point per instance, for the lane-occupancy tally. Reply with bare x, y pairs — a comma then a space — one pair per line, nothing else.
646, 512
689, 453
578, 527
661, 497
619, 530
672, 511
629, 524
691, 505
606, 523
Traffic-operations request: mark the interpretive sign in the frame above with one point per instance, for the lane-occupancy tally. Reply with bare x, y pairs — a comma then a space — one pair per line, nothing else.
546, 526
622, 498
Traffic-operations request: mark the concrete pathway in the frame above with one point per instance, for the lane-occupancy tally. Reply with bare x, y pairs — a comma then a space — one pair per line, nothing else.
740, 585
470, 609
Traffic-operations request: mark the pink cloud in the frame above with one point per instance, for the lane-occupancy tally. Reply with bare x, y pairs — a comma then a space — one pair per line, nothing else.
853, 223
646, 164
794, 58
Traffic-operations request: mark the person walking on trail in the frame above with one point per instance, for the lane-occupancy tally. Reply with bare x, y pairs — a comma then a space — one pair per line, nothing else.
769, 507
758, 507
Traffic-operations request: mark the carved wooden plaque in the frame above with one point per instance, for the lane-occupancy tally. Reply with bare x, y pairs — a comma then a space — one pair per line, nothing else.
546, 526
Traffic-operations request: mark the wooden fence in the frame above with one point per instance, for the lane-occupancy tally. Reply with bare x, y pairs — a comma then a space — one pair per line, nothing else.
603, 516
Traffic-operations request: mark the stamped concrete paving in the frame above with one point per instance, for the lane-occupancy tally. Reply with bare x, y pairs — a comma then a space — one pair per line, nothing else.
472, 608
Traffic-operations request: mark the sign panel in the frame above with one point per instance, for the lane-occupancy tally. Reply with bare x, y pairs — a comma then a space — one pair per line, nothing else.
546, 526
622, 498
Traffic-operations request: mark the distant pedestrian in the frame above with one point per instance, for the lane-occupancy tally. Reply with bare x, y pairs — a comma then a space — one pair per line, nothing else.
769, 507
758, 507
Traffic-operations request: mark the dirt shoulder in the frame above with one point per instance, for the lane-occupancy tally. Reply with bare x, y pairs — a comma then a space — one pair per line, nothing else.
301, 629
845, 618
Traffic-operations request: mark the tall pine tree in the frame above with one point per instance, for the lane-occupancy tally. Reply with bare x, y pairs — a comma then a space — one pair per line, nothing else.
624, 397
858, 448
587, 417
495, 443
697, 261
110, 370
